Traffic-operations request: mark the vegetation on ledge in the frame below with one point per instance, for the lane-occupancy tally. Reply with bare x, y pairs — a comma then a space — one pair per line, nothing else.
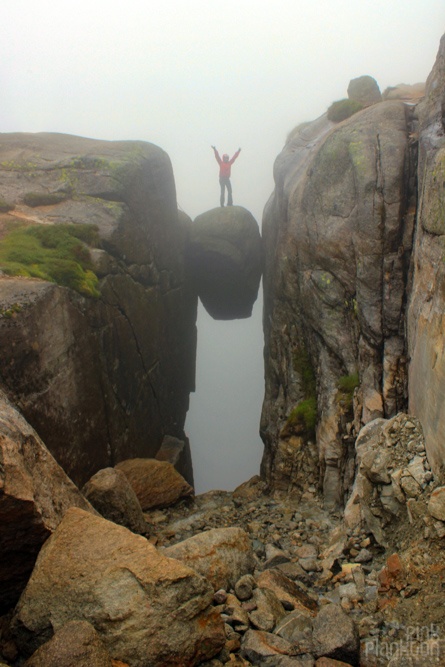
345, 392
304, 417
343, 109
57, 253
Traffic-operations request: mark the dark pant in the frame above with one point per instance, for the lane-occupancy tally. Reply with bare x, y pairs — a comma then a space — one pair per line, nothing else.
225, 183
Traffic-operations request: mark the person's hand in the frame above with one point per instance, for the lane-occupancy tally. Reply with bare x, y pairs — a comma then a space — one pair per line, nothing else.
239, 149
212, 147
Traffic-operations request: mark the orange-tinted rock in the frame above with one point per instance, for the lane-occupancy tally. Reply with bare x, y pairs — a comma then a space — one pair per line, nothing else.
34, 495
330, 662
394, 566
222, 555
156, 483
76, 644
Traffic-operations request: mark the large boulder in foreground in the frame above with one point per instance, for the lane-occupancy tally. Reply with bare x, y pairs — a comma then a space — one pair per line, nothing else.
148, 609
222, 555
225, 261
35, 493
155, 483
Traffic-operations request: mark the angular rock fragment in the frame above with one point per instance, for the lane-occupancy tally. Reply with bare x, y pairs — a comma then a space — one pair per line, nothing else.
112, 495
76, 644
224, 259
287, 591
221, 555
436, 505
269, 610
148, 609
257, 645
155, 483
335, 635
35, 493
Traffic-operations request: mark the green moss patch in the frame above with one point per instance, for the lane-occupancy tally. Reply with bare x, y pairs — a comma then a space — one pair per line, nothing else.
5, 207
57, 253
345, 392
304, 417
343, 109
302, 365
34, 199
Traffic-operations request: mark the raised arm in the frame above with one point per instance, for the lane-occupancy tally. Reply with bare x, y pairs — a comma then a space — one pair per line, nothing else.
235, 156
218, 159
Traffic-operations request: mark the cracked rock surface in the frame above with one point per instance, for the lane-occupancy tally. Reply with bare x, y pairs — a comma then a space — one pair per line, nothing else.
337, 234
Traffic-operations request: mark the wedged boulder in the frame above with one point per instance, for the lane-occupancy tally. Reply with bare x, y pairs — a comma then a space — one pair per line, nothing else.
222, 555
155, 483
112, 495
112, 373
224, 260
335, 635
35, 493
364, 89
76, 644
148, 609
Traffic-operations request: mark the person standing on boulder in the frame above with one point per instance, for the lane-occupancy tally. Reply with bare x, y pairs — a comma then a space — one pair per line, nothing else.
224, 175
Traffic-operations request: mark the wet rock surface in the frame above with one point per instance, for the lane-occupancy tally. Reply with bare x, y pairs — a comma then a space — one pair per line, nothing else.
224, 260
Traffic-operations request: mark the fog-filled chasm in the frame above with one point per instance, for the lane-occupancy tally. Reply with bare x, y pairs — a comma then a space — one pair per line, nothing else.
223, 419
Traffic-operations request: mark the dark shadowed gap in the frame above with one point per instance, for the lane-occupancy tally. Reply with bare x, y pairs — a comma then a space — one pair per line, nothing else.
224, 416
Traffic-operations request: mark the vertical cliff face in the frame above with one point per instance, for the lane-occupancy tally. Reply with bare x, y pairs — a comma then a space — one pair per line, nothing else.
100, 379
427, 303
337, 234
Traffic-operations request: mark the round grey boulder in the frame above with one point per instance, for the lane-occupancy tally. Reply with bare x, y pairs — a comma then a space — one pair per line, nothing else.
224, 261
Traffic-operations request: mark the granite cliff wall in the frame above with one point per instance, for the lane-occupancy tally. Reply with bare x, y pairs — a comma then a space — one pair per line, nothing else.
426, 339
337, 234
100, 379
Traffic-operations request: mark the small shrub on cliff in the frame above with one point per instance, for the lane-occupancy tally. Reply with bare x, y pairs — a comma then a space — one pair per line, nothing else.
304, 417
302, 365
55, 253
343, 109
345, 392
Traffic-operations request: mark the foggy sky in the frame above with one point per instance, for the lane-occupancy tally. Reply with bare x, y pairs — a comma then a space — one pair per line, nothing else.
184, 75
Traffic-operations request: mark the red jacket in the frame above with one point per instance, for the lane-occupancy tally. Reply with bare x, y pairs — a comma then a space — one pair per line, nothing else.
224, 167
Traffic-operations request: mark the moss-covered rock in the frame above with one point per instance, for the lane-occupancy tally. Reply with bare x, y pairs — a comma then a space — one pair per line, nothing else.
343, 109
35, 199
